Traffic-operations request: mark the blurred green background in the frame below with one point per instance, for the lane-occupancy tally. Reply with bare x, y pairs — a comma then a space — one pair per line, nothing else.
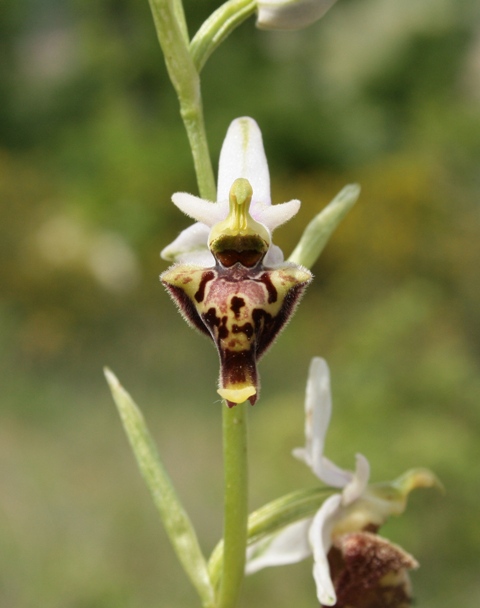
380, 92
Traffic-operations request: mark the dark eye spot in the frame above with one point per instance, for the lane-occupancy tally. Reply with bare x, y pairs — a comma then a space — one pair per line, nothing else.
210, 318
236, 304
208, 276
223, 330
272, 292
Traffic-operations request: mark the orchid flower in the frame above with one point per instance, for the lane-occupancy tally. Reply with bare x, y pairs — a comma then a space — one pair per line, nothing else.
342, 527
230, 282
290, 14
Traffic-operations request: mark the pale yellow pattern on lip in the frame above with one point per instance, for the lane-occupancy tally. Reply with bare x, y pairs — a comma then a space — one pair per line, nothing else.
237, 395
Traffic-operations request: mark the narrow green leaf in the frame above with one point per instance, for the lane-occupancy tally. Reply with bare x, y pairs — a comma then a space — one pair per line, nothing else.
320, 229
176, 521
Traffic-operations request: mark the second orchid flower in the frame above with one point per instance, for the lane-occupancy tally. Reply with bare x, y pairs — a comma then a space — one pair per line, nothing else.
352, 565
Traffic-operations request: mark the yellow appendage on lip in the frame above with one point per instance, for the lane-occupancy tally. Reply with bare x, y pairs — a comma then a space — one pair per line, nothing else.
237, 395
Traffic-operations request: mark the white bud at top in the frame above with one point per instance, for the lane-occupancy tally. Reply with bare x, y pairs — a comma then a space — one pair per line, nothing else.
290, 14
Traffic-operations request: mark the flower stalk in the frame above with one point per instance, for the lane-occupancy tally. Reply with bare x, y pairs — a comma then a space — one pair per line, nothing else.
173, 37
235, 504
217, 27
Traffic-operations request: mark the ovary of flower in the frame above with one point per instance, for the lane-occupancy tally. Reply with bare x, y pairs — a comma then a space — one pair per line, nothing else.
357, 507
290, 14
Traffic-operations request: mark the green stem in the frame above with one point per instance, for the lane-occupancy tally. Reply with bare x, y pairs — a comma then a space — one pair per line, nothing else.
217, 27
172, 35
235, 504
181, 20
192, 115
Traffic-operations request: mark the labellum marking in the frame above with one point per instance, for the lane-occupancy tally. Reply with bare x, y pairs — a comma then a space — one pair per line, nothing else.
236, 305
272, 292
247, 329
208, 276
242, 310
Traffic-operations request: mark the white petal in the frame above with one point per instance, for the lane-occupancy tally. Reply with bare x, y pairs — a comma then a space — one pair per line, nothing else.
318, 407
274, 257
201, 210
202, 258
288, 546
301, 454
242, 155
273, 216
359, 481
332, 475
290, 14
320, 536
190, 247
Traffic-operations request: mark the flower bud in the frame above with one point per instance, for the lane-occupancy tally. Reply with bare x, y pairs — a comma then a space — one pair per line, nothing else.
290, 14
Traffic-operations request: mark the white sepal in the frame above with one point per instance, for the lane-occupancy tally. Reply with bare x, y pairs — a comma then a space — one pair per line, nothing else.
288, 546
243, 155
189, 247
320, 536
199, 209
